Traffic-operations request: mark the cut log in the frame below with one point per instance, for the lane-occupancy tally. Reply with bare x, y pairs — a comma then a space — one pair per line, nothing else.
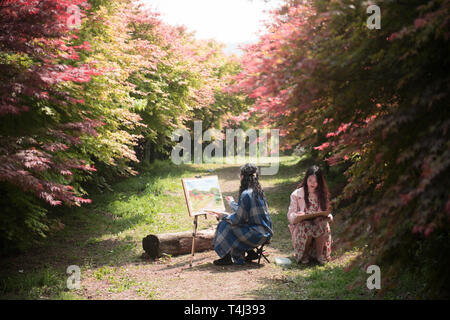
155, 245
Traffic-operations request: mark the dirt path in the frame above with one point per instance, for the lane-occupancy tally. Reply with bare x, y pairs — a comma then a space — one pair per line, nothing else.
173, 279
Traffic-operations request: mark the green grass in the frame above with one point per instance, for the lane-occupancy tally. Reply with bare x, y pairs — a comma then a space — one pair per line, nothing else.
312, 281
45, 283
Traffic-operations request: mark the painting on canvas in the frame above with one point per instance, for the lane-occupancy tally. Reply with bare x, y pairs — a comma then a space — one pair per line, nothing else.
202, 194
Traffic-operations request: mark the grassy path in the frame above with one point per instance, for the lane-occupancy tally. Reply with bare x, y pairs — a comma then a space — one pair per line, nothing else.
104, 240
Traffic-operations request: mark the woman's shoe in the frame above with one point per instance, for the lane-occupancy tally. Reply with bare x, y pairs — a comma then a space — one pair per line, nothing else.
322, 261
251, 255
305, 260
225, 261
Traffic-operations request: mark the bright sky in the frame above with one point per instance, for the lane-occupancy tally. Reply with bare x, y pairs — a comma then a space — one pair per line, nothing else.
228, 21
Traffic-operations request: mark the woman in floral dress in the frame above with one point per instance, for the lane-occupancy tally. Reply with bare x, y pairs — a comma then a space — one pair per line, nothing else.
310, 238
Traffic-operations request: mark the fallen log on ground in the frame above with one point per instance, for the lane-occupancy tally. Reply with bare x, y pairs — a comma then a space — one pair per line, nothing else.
155, 245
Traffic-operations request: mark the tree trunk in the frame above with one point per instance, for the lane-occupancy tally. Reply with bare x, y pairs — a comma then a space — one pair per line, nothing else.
148, 152
177, 243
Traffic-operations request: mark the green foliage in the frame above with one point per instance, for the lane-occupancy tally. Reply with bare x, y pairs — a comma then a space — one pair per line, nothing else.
397, 182
133, 79
20, 212
374, 101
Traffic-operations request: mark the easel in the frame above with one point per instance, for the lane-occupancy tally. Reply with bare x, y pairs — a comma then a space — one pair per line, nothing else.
194, 233
193, 238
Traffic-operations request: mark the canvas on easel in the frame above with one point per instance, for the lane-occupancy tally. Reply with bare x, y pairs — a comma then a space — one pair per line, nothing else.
202, 194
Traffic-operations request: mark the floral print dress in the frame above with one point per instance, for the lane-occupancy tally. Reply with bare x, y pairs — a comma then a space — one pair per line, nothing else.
313, 228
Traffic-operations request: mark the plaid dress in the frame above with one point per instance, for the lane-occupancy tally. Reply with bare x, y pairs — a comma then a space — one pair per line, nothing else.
248, 227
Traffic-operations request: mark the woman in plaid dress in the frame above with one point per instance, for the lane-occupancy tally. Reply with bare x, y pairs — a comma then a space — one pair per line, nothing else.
248, 227
310, 238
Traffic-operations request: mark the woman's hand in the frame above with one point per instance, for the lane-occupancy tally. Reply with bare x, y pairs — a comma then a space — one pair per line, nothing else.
219, 214
229, 199
297, 216
328, 218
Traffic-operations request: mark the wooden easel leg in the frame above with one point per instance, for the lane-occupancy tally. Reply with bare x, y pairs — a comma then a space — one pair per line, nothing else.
193, 241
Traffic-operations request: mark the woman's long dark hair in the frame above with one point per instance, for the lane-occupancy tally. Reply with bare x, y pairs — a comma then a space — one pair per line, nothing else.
321, 191
250, 179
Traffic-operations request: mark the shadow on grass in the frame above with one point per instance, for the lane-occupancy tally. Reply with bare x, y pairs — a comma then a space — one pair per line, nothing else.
330, 282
